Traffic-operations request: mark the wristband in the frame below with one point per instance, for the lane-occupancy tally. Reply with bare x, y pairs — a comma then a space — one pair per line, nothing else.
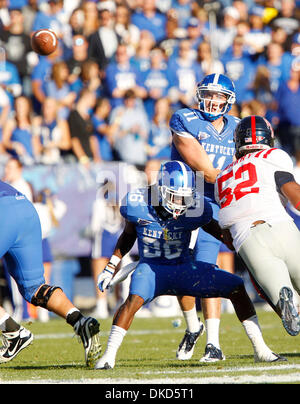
110, 272
114, 260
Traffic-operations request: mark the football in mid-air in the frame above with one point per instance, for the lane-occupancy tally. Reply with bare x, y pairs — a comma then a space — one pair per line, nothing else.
44, 41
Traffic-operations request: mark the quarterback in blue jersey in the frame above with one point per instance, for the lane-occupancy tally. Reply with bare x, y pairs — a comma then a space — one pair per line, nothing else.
203, 139
161, 218
21, 250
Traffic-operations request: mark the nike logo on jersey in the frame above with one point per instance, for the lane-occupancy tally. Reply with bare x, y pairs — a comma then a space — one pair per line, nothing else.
143, 222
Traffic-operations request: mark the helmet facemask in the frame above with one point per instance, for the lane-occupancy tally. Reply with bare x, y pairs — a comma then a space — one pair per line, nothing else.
177, 201
214, 100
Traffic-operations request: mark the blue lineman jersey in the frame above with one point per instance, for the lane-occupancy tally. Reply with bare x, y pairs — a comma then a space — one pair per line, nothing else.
21, 240
162, 241
189, 122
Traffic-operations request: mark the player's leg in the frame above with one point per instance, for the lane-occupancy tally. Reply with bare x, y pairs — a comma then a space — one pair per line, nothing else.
194, 328
210, 281
25, 264
207, 250
142, 289
274, 247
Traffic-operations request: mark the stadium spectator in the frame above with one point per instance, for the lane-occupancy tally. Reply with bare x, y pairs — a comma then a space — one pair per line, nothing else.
259, 35
184, 74
41, 74
18, 138
278, 63
128, 33
58, 87
253, 107
91, 18
159, 142
156, 80
10, 79
239, 67
141, 59
53, 133
29, 11
50, 16
121, 75
287, 18
4, 14
173, 33
18, 47
73, 27
223, 36
90, 78
260, 89
107, 33
13, 175
132, 132
279, 36
96, 50
195, 33
148, 18
79, 56
5, 109
83, 140
103, 130
288, 98
205, 59
183, 9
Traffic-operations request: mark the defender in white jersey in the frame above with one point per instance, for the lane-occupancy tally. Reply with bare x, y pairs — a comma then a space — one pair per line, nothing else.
251, 193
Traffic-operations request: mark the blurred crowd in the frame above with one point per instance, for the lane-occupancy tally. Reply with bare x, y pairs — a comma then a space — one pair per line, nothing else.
123, 66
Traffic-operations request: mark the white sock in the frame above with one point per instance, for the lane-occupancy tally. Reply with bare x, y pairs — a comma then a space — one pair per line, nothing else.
114, 340
191, 319
212, 331
253, 332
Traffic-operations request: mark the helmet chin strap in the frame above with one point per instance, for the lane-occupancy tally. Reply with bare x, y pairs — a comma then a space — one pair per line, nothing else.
210, 117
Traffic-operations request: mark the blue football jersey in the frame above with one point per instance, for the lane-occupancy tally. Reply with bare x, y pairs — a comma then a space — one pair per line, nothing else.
189, 122
8, 190
163, 241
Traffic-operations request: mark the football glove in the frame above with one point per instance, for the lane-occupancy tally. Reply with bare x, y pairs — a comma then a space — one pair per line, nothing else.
106, 276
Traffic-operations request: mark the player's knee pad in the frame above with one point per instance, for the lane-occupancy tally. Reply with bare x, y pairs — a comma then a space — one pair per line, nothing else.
43, 295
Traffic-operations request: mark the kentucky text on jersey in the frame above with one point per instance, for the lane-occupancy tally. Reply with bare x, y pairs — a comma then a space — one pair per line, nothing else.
218, 149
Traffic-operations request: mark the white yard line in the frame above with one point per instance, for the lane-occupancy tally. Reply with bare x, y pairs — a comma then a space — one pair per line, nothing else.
244, 379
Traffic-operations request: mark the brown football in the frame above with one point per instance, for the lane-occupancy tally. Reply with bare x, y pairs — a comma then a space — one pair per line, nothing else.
44, 41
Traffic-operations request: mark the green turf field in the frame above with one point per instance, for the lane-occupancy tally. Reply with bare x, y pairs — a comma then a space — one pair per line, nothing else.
148, 356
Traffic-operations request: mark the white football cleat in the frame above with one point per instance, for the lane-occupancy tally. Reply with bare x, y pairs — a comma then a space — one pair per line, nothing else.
13, 343
187, 345
268, 356
289, 315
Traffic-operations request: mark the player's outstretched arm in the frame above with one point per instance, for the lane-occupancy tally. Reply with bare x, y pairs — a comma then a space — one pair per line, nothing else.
123, 246
195, 156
